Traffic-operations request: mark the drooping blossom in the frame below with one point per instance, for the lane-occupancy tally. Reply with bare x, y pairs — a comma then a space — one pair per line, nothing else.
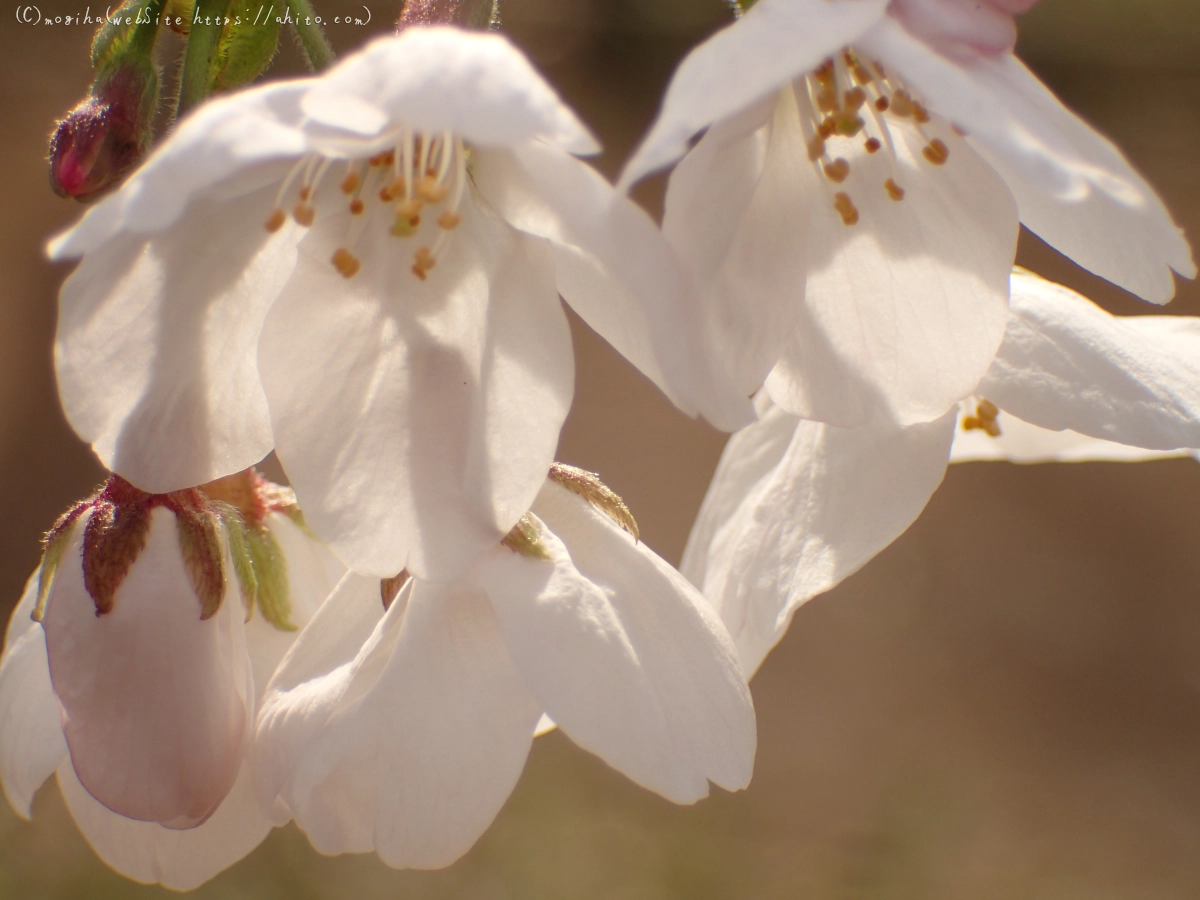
362, 271
139, 689
404, 731
850, 209
796, 506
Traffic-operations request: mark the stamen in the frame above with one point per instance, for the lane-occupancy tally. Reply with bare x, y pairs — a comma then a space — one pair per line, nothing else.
350, 183
902, 104
409, 209
275, 222
424, 262
893, 190
845, 208
984, 419
449, 220
936, 152
430, 191
346, 262
393, 189
304, 214
838, 170
872, 145
356, 207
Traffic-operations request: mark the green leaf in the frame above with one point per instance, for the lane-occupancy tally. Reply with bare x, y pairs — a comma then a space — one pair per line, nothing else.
270, 566
239, 550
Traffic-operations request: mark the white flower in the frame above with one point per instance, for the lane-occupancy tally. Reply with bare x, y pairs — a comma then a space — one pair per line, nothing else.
146, 711
405, 732
852, 243
362, 270
796, 506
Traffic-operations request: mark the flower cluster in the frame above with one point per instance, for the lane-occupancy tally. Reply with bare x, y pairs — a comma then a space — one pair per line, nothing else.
360, 271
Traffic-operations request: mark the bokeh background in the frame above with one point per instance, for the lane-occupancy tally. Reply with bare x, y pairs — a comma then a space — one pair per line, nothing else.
1004, 704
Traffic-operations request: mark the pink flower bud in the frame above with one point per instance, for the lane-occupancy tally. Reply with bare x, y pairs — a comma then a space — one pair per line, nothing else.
106, 134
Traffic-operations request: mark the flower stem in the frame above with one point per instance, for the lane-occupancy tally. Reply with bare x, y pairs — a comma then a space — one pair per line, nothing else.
317, 49
197, 59
480, 14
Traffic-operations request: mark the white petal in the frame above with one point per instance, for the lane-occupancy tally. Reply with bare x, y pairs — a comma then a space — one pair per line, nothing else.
312, 574
311, 679
157, 341
1066, 363
624, 654
31, 739
905, 309
750, 456
179, 859
776, 41
836, 498
156, 703
615, 269
1073, 187
416, 419
1020, 442
423, 735
223, 143
736, 208
478, 86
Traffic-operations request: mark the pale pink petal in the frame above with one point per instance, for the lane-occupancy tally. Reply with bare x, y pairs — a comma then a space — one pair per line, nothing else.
903, 310
737, 206
1066, 363
776, 41
623, 654
836, 498
31, 739
156, 703
615, 270
1073, 187
478, 86
411, 747
177, 859
417, 419
1020, 442
157, 342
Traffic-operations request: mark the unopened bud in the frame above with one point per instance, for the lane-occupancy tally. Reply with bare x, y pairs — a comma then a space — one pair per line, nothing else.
107, 134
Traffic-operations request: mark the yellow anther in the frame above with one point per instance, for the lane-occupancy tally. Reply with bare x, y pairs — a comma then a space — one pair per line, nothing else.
356, 207
837, 171
984, 419
845, 208
449, 220
430, 191
304, 214
346, 262
410, 208
382, 159
878, 67
920, 113
860, 73
854, 98
824, 74
902, 104
305, 193
827, 128
423, 262
873, 145
393, 190
275, 222
882, 104
827, 100
816, 148
893, 190
350, 183
936, 152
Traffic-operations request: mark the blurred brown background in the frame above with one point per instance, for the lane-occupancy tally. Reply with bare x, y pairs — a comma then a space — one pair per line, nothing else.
1005, 704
